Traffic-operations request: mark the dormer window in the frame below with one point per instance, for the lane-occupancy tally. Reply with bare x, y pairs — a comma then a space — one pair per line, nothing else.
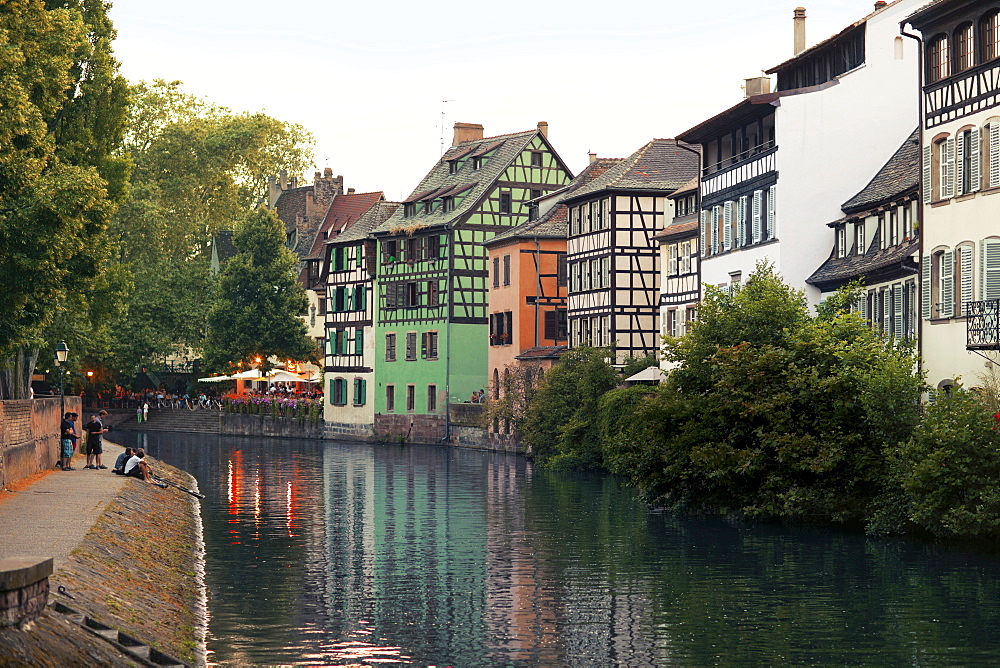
409, 209
938, 63
453, 166
989, 35
477, 162
859, 237
429, 206
842, 241
447, 204
964, 51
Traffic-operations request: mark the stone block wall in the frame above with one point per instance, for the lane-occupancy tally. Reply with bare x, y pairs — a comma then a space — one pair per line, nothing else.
236, 424
24, 589
29, 435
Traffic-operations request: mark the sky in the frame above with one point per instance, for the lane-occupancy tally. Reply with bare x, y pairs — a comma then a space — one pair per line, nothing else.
371, 80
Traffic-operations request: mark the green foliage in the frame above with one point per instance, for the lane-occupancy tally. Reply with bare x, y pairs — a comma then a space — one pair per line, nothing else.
951, 465
561, 424
257, 314
634, 365
773, 412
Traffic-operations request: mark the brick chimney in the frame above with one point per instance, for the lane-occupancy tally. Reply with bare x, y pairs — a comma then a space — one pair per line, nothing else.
879, 5
543, 128
467, 132
799, 23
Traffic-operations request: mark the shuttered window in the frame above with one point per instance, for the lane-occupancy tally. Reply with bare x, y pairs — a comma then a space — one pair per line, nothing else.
727, 226
928, 190
431, 398
966, 284
672, 260
704, 230
946, 272
359, 341
994, 132
989, 267
429, 345
925, 287
772, 203
975, 161
390, 347
390, 398
741, 222
897, 310
948, 169
756, 214
360, 391
411, 346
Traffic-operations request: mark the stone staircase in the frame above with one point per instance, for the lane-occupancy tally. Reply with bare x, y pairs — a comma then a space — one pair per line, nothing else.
200, 420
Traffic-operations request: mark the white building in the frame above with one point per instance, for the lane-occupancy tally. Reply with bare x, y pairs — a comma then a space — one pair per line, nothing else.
679, 283
960, 143
778, 165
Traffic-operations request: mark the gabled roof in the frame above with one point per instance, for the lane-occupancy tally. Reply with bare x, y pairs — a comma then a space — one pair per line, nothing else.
475, 183
369, 220
554, 223
875, 265
820, 45
290, 204
342, 214
686, 189
901, 174
223, 246
662, 164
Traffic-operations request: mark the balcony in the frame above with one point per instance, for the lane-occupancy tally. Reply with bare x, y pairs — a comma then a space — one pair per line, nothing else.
738, 159
982, 325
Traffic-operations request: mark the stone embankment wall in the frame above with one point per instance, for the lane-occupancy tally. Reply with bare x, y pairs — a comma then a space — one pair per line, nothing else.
464, 428
136, 571
29, 436
236, 424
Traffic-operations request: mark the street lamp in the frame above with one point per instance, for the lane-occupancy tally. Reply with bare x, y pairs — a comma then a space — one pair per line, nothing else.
62, 354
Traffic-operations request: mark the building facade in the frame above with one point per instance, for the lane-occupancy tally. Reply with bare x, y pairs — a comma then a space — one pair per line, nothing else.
612, 255
680, 284
432, 323
960, 155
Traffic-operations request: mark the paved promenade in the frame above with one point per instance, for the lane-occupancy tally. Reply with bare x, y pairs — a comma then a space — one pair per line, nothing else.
50, 516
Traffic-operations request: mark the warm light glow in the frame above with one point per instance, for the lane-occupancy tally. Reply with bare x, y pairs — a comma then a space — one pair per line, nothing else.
90, 374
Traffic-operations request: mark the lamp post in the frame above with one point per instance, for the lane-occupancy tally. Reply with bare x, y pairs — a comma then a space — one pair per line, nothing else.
62, 354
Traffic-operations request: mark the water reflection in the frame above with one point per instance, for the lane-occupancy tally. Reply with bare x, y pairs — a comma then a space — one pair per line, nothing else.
330, 554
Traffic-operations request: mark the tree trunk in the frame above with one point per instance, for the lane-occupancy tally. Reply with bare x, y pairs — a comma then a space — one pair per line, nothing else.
16, 372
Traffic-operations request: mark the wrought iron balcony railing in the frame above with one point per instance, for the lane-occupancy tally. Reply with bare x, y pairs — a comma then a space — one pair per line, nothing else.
982, 325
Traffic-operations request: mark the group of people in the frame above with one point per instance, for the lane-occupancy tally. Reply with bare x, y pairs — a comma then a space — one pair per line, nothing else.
478, 397
130, 463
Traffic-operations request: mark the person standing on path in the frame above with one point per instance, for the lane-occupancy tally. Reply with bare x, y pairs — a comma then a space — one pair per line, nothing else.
95, 448
67, 441
145, 411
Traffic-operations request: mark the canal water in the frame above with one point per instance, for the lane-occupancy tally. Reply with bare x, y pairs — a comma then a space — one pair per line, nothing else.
339, 553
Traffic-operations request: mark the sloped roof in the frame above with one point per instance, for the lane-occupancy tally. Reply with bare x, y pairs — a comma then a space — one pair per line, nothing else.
290, 204
554, 223
342, 214
819, 45
876, 265
679, 228
659, 165
689, 187
224, 247
476, 183
901, 174
369, 220
542, 352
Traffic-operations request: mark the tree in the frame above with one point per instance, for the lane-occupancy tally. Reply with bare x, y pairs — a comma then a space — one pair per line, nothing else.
61, 120
257, 314
773, 412
199, 169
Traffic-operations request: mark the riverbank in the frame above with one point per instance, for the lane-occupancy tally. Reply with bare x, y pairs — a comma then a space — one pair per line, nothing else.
136, 569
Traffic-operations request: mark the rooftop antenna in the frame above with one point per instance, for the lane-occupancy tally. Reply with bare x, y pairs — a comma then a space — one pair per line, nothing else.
443, 102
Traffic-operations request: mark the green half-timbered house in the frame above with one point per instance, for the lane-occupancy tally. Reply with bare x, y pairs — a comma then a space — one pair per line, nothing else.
431, 322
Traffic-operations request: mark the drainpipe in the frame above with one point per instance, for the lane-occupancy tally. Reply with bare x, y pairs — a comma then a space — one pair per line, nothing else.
447, 332
920, 207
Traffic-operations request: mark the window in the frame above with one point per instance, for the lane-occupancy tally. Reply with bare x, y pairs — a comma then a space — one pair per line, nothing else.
412, 250
989, 35
389, 250
506, 269
322, 305
964, 48
340, 342
428, 207
339, 258
501, 328
453, 166
555, 325
409, 209
496, 272
411, 394
447, 204
938, 59
842, 241
967, 162
359, 341
412, 294
505, 202
535, 193
339, 392
432, 293
390, 347
360, 297
390, 398
477, 162
339, 299
561, 270
432, 397
496, 383
360, 391
429, 345
859, 237
432, 247
411, 346
893, 227
536, 158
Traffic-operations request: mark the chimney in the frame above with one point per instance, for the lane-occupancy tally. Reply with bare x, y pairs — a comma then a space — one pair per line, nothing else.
879, 5
757, 86
283, 179
593, 158
543, 128
350, 191
467, 132
799, 20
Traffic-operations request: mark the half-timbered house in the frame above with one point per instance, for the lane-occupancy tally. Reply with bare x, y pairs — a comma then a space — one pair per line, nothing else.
612, 255
777, 166
960, 173
349, 410
680, 287
877, 242
432, 320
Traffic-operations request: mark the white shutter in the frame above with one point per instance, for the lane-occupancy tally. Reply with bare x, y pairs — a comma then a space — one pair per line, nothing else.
994, 155
960, 164
606, 270
925, 287
771, 207
897, 311
948, 189
672, 260
864, 305
704, 231
741, 222
716, 214
975, 162
989, 262
927, 175
727, 222
947, 273
757, 196
886, 311
967, 284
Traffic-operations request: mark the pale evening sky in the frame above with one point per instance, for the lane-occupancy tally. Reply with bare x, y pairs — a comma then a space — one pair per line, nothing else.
368, 79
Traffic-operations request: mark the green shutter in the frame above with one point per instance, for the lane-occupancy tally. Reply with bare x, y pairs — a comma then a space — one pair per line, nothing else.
359, 341
329, 393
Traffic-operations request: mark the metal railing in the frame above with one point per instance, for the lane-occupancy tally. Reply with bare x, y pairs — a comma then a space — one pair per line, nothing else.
733, 160
982, 325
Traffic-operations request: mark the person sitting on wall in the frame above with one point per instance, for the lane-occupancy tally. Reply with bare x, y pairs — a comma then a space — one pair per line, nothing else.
122, 460
136, 467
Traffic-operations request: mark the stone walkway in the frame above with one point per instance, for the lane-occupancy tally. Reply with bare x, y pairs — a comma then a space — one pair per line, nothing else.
50, 517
